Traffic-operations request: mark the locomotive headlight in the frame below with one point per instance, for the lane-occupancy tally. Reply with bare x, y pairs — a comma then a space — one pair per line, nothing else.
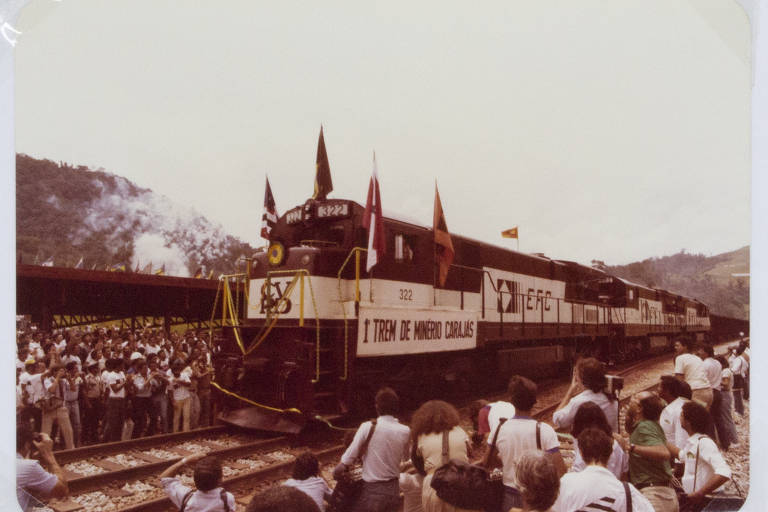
276, 254
305, 260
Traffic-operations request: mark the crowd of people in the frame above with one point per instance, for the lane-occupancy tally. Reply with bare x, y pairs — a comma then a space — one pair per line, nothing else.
666, 458
102, 385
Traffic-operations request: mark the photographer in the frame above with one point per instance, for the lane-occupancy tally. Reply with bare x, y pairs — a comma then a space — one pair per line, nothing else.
31, 478
591, 374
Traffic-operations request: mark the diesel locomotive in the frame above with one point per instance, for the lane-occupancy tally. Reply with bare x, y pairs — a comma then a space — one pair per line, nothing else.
320, 334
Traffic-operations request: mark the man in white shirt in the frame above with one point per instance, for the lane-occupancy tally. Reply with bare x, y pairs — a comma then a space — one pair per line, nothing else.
209, 495
690, 368
522, 433
32, 391
673, 392
739, 368
32, 481
386, 449
596, 488
179, 387
54, 408
114, 381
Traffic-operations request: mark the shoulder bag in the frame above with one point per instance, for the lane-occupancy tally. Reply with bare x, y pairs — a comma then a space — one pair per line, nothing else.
470, 486
350, 485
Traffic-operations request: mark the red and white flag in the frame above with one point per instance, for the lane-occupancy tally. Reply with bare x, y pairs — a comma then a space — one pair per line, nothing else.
373, 221
269, 218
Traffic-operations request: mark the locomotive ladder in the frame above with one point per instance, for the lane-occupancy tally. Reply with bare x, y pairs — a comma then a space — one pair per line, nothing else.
356, 251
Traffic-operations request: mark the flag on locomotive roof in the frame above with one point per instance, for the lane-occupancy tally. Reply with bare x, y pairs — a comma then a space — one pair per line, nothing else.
269, 218
48, 262
510, 233
79, 263
443, 245
323, 183
199, 273
372, 221
160, 271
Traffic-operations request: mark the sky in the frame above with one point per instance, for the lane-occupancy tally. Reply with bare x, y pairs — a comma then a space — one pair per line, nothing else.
605, 130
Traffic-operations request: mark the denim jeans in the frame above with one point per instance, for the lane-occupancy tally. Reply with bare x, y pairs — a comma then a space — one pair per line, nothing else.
379, 497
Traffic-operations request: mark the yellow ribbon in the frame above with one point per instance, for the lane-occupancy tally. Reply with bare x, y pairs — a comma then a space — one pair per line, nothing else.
230, 393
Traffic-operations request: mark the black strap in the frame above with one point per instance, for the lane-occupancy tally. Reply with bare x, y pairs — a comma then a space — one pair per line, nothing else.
364, 448
493, 444
628, 495
446, 449
696, 466
538, 435
187, 497
185, 500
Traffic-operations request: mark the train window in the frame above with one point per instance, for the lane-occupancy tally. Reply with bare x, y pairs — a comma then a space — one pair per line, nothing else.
403, 248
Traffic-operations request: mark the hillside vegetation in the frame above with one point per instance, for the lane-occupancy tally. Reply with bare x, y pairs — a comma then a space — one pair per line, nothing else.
721, 281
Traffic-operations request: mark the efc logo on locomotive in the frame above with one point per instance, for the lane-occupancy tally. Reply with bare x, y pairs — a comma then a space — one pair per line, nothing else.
386, 330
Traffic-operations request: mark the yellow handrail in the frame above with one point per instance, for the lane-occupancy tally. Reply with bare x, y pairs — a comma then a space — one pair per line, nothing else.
356, 251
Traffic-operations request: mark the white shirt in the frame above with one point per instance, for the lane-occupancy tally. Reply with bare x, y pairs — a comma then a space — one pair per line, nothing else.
713, 369
711, 462
498, 410
179, 391
387, 448
142, 385
596, 488
618, 463
691, 367
314, 487
200, 501
33, 383
726, 374
739, 366
670, 422
411, 487
114, 378
517, 436
32, 479
563, 419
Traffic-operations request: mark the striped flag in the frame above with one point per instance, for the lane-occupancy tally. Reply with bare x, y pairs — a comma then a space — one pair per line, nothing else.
117, 267
443, 246
160, 271
323, 183
269, 218
373, 221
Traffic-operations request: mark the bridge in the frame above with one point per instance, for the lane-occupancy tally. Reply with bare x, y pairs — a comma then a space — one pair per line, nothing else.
66, 297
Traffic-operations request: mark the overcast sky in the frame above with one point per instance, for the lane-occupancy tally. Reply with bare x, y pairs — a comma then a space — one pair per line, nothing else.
606, 130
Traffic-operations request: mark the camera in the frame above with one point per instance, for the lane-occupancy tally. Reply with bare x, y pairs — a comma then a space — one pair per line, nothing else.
614, 384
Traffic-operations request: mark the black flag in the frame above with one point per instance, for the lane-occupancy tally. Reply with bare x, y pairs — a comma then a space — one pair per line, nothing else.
323, 183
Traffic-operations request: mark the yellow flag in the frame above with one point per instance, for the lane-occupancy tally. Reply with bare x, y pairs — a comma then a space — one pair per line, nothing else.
510, 233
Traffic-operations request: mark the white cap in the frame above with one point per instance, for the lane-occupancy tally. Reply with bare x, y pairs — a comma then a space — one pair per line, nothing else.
136, 355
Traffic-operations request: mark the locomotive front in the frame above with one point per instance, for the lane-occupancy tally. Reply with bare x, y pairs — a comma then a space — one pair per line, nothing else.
286, 353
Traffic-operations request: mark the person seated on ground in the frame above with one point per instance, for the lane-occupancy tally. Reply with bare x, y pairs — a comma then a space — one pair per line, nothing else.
519, 434
590, 415
591, 374
428, 424
690, 368
306, 478
538, 480
649, 468
706, 471
32, 481
596, 488
209, 496
282, 499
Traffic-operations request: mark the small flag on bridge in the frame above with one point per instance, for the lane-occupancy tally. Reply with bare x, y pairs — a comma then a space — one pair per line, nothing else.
79, 263
47, 263
510, 233
199, 273
210, 274
117, 267
160, 271
147, 269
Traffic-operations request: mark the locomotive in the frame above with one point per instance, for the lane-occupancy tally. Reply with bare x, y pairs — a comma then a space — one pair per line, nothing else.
320, 334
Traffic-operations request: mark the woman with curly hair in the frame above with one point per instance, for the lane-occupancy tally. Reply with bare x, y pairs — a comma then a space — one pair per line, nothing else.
427, 426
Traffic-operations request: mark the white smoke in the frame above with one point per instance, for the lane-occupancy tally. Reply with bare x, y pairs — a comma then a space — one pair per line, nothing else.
162, 232
152, 248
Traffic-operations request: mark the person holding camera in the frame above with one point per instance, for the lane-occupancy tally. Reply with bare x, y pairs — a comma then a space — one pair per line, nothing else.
32, 481
591, 374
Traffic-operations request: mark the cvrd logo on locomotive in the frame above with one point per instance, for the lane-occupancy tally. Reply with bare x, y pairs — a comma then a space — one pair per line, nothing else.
273, 293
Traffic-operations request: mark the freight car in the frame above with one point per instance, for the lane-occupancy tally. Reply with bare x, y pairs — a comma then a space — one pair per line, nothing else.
321, 334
